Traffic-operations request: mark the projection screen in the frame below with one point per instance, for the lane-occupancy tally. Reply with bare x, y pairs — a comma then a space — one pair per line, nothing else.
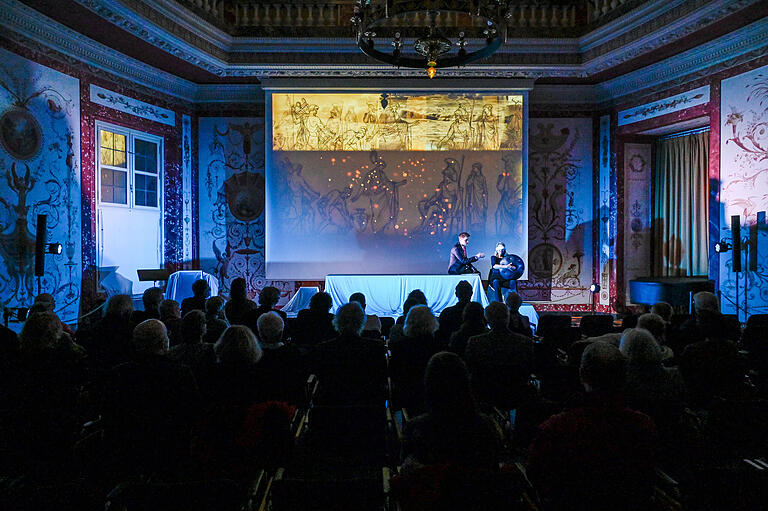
372, 183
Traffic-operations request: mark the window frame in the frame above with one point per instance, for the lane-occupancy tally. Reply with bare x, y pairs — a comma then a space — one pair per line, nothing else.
131, 135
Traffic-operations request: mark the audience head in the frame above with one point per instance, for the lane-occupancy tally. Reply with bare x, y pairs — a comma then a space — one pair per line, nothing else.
664, 310
629, 321
447, 390
464, 291
152, 298
193, 327
41, 331
237, 290
150, 337
514, 301
576, 351
654, 324
119, 306
359, 298
213, 305
321, 302
420, 322
270, 327
237, 346
419, 296
349, 319
169, 309
497, 315
473, 314
640, 347
704, 301
603, 367
200, 288
39, 307
47, 300
269, 296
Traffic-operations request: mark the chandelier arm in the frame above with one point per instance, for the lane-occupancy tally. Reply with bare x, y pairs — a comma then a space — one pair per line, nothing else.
441, 62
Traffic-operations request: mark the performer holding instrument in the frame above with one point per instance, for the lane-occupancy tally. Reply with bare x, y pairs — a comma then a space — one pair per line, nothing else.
459, 263
505, 270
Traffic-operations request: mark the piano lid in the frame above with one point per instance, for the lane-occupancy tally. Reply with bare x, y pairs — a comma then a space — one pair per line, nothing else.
673, 290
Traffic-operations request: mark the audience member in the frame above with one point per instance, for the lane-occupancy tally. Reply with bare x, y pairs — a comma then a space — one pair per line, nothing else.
170, 315
500, 361
200, 291
235, 380
473, 324
279, 370
108, 341
372, 326
656, 325
268, 298
707, 322
396, 332
47, 302
415, 297
452, 430
600, 454
450, 317
650, 387
192, 351
152, 298
351, 369
410, 354
518, 323
664, 310
238, 306
315, 325
215, 322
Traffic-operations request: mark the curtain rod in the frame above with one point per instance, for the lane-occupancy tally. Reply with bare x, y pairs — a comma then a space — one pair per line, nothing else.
694, 131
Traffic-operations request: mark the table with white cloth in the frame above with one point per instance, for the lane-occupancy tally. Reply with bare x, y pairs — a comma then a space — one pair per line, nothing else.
385, 294
179, 284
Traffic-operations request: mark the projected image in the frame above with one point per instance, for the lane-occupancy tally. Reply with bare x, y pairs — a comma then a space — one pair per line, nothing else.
357, 188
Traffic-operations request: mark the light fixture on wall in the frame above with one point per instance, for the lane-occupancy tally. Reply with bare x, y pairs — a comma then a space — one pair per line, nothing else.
594, 289
53, 248
422, 33
722, 246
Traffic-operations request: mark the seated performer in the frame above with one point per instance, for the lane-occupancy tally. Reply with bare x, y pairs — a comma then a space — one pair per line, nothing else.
460, 264
495, 277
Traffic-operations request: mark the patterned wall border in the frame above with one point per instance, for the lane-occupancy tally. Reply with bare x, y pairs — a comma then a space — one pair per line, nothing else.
186, 183
104, 97
695, 97
606, 250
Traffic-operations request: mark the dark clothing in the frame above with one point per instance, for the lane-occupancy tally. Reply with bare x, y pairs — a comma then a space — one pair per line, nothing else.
497, 282
214, 327
711, 368
473, 443
655, 390
351, 371
313, 327
108, 342
251, 319
173, 326
282, 373
520, 324
199, 357
192, 303
236, 310
139, 316
233, 385
459, 338
450, 321
599, 455
459, 263
409, 360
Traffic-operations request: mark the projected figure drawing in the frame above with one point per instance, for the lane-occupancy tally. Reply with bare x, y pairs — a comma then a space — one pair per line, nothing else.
382, 194
487, 129
334, 211
442, 210
509, 202
476, 199
299, 113
301, 214
459, 135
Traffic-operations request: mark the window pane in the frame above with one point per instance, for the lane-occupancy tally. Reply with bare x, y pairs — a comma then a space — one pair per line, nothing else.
119, 159
121, 196
114, 186
107, 157
146, 190
119, 142
106, 177
107, 139
106, 193
146, 156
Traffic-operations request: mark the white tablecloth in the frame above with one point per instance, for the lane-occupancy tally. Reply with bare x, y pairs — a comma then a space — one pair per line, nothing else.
179, 284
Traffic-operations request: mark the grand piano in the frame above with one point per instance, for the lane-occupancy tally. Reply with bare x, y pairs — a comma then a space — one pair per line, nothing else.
676, 291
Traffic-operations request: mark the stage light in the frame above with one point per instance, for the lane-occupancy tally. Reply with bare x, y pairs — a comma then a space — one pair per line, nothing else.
594, 288
53, 248
722, 246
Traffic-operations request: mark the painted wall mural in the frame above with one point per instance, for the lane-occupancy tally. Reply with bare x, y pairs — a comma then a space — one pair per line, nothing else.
606, 212
561, 212
744, 183
637, 213
39, 175
231, 203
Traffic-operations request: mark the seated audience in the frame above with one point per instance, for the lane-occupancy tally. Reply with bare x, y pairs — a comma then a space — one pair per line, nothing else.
351, 369
192, 351
215, 322
372, 326
234, 379
315, 325
108, 341
473, 324
499, 361
268, 298
170, 315
279, 370
712, 368
452, 430
200, 291
417, 297
410, 354
152, 298
518, 323
650, 387
47, 303
238, 305
656, 325
450, 317
396, 332
600, 454
664, 310
706, 322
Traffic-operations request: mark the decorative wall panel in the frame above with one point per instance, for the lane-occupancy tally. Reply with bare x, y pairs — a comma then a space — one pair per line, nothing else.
561, 208
637, 213
40, 173
695, 97
744, 182
231, 203
605, 212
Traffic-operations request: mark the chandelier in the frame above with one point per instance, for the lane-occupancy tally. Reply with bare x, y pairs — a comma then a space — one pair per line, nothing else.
421, 34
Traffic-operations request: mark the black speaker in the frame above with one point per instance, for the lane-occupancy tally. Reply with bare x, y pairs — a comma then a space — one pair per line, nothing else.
40, 238
760, 232
736, 234
752, 261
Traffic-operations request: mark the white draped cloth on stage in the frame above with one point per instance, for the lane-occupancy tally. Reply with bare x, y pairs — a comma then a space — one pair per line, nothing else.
179, 284
385, 294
